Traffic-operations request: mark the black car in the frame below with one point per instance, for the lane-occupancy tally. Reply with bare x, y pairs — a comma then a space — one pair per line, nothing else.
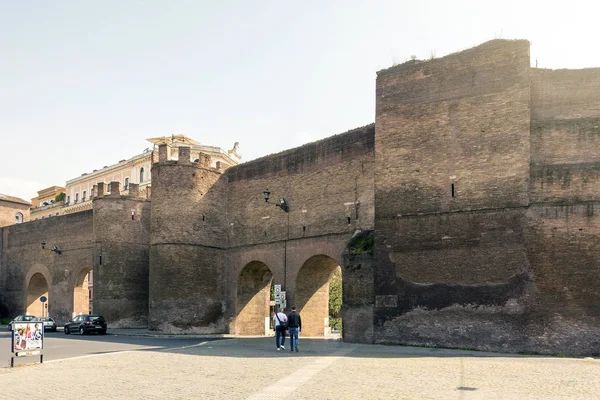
86, 323
21, 318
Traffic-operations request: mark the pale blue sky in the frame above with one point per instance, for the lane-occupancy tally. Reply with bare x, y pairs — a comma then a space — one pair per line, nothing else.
83, 84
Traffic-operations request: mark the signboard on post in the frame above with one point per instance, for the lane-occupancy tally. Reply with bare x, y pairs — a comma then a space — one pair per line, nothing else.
27, 340
43, 300
277, 294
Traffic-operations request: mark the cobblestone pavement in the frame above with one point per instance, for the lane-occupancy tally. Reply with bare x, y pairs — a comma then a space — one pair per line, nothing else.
323, 369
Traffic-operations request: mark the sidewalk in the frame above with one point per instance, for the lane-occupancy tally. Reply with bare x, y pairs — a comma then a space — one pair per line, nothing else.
250, 368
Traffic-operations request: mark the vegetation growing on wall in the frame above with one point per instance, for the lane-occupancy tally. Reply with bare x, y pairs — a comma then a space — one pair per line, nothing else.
362, 242
335, 299
59, 197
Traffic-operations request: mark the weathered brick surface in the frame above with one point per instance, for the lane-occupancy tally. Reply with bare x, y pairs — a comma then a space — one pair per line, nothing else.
121, 259
506, 262
188, 241
328, 186
463, 120
23, 258
565, 134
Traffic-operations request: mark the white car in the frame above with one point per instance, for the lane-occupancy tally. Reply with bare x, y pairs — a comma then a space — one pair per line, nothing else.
49, 324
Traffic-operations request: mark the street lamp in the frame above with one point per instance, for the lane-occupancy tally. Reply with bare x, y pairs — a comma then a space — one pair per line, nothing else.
283, 204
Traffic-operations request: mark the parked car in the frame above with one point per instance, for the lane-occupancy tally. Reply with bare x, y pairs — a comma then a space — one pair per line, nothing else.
49, 324
21, 318
86, 323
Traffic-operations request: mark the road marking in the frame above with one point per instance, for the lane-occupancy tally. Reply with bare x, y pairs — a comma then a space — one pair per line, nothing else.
287, 385
184, 347
89, 356
126, 351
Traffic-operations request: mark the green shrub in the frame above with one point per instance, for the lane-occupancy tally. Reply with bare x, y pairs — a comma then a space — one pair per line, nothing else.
362, 242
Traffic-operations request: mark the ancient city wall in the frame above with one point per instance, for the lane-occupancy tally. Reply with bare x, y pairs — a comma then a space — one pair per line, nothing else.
121, 257
451, 187
328, 186
23, 258
188, 243
565, 135
459, 123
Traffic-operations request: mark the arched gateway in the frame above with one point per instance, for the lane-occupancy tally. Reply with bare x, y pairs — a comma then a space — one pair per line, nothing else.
37, 284
253, 298
312, 294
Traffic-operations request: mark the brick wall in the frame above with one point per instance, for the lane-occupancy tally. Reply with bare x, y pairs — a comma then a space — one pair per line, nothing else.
329, 188
459, 123
23, 257
328, 185
121, 259
565, 134
188, 241
460, 120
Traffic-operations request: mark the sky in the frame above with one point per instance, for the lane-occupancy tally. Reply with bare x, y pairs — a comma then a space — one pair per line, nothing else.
83, 84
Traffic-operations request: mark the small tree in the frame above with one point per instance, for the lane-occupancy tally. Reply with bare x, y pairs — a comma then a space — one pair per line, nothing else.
59, 197
335, 299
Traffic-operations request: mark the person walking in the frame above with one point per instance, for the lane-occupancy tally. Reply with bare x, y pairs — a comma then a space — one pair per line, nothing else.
280, 322
294, 326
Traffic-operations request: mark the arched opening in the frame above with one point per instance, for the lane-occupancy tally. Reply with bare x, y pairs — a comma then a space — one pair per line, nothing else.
37, 287
82, 292
253, 299
313, 294
141, 175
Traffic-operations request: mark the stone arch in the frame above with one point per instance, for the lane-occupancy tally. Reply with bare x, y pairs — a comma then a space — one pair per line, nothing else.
38, 282
312, 293
253, 298
81, 292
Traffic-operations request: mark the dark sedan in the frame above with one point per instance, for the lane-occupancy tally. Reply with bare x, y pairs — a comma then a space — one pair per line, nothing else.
86, 323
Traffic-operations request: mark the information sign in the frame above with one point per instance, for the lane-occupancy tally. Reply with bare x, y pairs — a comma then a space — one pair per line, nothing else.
27, 339
277, 294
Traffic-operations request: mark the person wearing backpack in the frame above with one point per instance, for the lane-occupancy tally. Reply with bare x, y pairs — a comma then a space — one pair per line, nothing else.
280, 322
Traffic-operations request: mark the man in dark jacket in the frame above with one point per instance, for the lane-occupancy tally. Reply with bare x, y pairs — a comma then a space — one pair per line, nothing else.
294, 326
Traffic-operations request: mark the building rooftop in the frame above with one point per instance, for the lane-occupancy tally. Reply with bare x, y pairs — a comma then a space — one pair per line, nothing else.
13, 199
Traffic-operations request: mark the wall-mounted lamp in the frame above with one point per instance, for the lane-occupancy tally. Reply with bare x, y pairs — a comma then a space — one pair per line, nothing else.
282, 202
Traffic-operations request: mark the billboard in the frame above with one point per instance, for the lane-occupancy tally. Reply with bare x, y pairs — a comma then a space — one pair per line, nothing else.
27, 338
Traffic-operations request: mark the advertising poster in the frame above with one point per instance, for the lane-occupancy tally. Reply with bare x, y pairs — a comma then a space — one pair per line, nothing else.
27, 338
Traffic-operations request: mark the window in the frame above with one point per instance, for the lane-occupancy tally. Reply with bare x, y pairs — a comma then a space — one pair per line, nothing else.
141, 175
68, 200
126, 184
108, 188
91, 193
76, 197
83, 196
18, 218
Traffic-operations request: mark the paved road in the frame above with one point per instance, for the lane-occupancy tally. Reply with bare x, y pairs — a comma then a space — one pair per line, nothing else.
250, 368
58, 346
